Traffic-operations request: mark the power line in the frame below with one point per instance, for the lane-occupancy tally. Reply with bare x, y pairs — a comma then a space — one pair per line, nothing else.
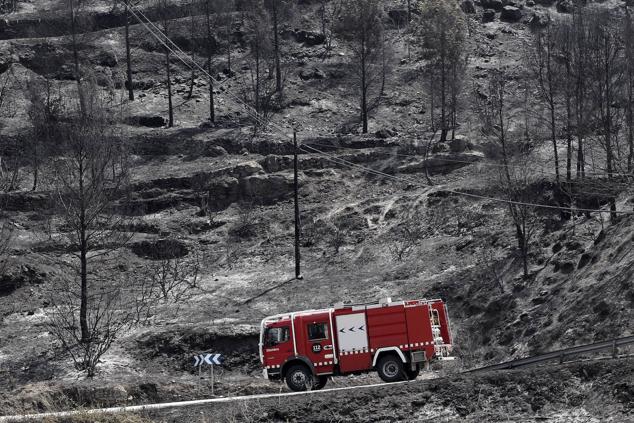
253, 113
542, 169
163, 42
465, 194
493, 165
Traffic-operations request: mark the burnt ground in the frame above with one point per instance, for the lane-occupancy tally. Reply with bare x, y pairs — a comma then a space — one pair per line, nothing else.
586, 392
580, 289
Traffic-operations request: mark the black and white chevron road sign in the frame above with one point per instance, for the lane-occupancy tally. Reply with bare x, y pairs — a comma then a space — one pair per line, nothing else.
211, 359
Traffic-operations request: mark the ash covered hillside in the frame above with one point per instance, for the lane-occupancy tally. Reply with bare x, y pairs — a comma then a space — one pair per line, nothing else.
477, 151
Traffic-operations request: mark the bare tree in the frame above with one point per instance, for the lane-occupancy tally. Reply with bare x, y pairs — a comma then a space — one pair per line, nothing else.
174, 279
564, 50
579, 66
111, 313
516, 187
329, 13
605, 50
260, 88
45, 112
361, 23
77, 23
218, 14
164, 10
547, 72
90, 176
278, 11
10, 147
407, 237
441, 30
514, 178
128, 17
628, 37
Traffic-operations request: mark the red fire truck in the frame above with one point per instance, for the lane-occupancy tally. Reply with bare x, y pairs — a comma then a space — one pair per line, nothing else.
394, 338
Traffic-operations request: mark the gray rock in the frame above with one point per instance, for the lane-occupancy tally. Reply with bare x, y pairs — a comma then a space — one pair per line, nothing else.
247, 169
488, 15
467, 6
565, 6
107, 59
459, 144
511, 14
492, 4
398, 16
214, 151
148, 120
310, 38
539, 19
385, 133
313, 73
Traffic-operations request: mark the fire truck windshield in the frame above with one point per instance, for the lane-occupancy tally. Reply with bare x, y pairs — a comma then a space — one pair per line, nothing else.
276, 336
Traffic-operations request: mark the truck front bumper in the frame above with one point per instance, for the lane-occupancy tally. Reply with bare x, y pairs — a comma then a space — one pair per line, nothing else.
272, 374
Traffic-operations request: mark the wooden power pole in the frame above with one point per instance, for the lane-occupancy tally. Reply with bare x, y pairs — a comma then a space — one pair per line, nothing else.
298, 273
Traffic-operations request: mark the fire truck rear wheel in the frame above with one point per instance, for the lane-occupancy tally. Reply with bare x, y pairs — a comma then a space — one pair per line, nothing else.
320, 382
412, 374
390, 368
299, 378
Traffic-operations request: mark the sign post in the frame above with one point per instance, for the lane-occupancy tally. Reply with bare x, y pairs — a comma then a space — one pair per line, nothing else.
211, 373
212, 360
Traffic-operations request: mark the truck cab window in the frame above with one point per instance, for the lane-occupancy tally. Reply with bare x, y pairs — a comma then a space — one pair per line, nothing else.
317, 331
276, 336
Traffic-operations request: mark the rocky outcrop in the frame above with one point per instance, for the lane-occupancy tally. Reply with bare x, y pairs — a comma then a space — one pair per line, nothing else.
17, 275
150, 121
266, 189
26, 201
309, 38
162, 249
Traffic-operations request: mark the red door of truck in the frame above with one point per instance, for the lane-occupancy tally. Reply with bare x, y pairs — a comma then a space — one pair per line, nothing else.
278, 345
318, 342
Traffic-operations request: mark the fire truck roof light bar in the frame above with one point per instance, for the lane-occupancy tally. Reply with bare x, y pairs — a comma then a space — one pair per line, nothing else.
382, 302
281, 316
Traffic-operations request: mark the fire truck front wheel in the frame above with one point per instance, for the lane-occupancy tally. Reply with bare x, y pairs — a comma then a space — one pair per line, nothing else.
390, 368
299, 378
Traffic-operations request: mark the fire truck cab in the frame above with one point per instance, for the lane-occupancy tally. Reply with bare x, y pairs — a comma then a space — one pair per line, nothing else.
396, 339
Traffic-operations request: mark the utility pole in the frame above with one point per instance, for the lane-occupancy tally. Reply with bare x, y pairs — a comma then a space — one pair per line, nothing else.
298, 273
127, 52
